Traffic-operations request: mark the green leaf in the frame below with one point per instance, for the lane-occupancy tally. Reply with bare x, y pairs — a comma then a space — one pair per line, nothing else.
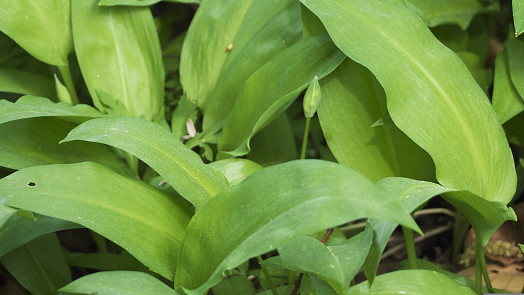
234, 285
507, 102
42, 28
32, 107
140, 2
261, 100
438, 12
515, 50
10, 230
257, 31
518, 16
158, 148
337, 265
274, 144
150, 224
311, 285
33, 142
475, 65
463, 136
283, 202
118, 283
128, 60
24, 82
352, 102
62, 92
236, 170
411, 282
39, 266
105, 261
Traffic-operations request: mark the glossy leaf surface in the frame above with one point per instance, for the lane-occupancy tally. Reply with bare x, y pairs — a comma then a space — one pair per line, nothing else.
411, 282
261, 99
236, 170
337, 265
33, 106
518, 16
304, 197
352, 101
25, 82
118, 283
463, 136
507, 102
140, 2
150, 224
33, 142
157, 147
257, 30
434, 13
119, 54
42, 28
39, 266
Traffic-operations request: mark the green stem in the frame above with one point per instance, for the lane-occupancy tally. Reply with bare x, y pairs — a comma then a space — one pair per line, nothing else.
304, 142
410, 247
132, 162
268, 277
68, 81
481, 261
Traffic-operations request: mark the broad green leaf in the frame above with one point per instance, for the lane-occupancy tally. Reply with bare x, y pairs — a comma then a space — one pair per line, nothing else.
286, 289
105, 261
140, 2
411, 282
32, 107
283, 202
311, 285
33, 142
118, 283
352, 102
515, 50
236, 170
150, 224
518, 16
234, 285
39, 266
24, 82
11, 238
158, 148
452, 119
274, 144
119, 54
337, 265
438, 12
485, 216
257, 31
261, 99
281, 29
42, 28
506, 100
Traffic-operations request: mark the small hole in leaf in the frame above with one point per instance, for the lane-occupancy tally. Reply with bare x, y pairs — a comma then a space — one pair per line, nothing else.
31, 183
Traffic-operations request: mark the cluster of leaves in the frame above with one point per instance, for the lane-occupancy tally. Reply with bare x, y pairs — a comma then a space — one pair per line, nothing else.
99, 139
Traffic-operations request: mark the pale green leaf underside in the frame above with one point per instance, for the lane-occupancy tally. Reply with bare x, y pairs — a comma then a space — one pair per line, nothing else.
451, 119
303, 197
42, 28
24, 82
118, 283
119, 54
411, 282
157, 147
150, 224
507, 102
33, 106
261, 99
352, 101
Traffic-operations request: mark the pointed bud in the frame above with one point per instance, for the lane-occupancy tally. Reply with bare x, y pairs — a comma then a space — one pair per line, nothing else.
312, 98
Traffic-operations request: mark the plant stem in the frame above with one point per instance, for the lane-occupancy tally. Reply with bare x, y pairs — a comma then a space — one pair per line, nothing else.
478, 274
304, 142
481, 261
326, 235
68, 80
268, 277
410, 247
